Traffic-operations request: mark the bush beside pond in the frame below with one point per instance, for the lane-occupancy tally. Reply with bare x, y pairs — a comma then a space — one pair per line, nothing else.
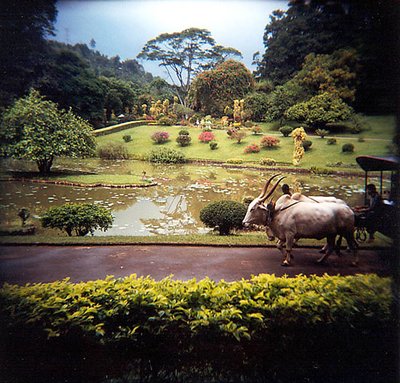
314, 329
113, 151
226, 215
80, 219
167, 156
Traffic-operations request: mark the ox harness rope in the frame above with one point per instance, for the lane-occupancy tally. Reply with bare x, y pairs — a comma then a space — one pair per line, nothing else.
287, 207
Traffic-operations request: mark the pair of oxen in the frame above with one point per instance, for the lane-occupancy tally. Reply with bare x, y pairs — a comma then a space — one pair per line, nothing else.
297, 216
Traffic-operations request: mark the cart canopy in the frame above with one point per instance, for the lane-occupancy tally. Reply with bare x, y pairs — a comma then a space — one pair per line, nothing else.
372, 163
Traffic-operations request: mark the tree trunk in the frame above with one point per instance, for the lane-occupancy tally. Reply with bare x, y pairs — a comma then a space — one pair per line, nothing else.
44, 165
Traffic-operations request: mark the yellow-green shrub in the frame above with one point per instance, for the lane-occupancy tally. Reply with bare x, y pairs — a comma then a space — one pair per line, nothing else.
175, 324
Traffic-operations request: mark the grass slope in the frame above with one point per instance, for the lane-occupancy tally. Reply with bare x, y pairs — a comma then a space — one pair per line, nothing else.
376, 140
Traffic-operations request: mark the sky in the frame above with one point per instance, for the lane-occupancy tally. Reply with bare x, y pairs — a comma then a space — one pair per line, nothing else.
122, 27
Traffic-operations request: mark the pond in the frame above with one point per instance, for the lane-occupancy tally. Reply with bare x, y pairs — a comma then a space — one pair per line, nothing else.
171, 207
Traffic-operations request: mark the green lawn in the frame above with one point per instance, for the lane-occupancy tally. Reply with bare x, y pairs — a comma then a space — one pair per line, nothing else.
377, 138
238, 239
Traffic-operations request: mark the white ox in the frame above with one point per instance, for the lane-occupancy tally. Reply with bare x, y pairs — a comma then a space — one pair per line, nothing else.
289, 219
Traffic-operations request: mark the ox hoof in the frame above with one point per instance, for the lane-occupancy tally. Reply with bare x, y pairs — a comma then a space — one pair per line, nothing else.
285, 263
321, 261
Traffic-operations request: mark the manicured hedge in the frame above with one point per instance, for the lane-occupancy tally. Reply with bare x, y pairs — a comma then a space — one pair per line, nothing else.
267, 328
119, 127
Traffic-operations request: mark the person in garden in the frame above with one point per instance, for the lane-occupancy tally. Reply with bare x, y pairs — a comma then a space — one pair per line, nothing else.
373, 212
286, 189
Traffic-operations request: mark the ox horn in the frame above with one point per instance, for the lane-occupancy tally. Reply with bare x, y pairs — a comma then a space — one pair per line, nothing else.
273, 189
266, 185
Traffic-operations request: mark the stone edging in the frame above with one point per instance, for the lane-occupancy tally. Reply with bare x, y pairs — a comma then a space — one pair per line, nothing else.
70, 183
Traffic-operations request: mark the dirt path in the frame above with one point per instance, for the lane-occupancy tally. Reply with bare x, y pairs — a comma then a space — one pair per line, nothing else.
23, 264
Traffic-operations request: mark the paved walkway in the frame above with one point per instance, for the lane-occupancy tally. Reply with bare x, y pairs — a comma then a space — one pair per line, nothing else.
23, 264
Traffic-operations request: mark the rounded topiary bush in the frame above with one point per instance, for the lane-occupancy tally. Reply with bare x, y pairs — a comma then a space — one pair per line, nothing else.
127, 138
183, 139
286, 130
160, 137
307, 145
331, 141
348, 148
225, 215
167, 156
213, 145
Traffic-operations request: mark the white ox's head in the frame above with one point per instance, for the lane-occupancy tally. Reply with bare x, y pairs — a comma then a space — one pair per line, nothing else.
257, 212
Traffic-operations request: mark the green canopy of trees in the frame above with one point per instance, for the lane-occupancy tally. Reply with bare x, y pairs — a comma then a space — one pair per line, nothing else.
119, 95
70, 82
315, 27
185, 54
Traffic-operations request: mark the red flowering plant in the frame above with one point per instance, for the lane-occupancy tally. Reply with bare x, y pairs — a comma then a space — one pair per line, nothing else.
160, 137
253, 148
206, 137
269, 142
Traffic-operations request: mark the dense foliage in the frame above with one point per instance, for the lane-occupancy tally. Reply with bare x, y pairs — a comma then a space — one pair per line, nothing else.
213, 90
24, 27
314, 329
70, 82
80, 219
255, 106
35, 129
320, 110
311, 27
225, 215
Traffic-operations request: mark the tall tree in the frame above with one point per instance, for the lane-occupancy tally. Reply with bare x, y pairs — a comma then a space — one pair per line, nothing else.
185, 54
35, 129
24, 27
213, 90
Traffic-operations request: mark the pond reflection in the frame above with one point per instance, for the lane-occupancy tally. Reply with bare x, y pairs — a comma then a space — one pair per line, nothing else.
172, 207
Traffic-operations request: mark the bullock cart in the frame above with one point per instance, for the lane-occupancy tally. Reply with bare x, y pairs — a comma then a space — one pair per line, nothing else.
386, 169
